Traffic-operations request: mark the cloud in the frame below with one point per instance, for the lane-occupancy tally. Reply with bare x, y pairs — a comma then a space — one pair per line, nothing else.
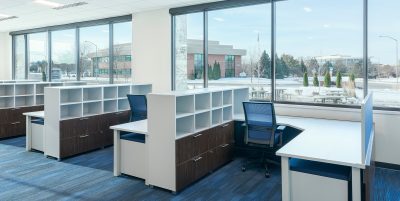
218, 19
307, 9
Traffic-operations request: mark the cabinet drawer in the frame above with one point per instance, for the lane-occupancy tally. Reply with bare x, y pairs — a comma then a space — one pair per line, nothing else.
68, 147
185, 174
184, 149
225, 134
201, 166
200, 142
69, 128
224, 154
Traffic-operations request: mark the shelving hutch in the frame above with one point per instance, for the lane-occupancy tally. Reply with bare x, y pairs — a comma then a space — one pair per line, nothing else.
77, 118
191, 134
18, 97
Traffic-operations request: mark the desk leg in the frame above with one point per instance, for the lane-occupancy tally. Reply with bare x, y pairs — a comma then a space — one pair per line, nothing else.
356, 184
117, 153
285, 179
28, 145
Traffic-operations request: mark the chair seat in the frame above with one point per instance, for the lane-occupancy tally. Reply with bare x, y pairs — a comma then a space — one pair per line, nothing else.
262, 136
321, 169
135, 137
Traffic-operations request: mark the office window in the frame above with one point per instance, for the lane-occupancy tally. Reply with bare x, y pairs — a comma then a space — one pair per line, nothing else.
189, 39
38, 57
122, 67
94, 53
319, 51
20, 56
63, 54
383, 38
239, 49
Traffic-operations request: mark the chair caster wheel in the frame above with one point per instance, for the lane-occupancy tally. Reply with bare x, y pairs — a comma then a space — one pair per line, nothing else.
267, 175
243, 169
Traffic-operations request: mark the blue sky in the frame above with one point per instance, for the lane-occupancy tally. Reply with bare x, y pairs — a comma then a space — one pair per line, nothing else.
307, 27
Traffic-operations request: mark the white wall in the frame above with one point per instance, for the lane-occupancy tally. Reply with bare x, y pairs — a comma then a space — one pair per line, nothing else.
5, 56
387, 126
151, 51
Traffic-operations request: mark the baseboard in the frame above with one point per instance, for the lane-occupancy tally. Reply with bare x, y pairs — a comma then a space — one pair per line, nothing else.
387, 165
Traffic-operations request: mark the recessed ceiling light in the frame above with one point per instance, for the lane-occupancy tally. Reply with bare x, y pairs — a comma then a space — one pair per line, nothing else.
48, 3
70, 5
4, 17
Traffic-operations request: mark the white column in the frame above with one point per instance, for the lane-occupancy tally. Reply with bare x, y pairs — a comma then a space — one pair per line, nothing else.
28, 133
356, 183
285, 179
117, 153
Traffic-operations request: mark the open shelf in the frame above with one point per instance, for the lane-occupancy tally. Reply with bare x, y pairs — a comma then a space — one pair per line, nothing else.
6, 90
216, 99
23, 101
202, 102
216, 117
92, 108
24, 89
40, 88
202, 121
71, 95
184, 105
227, 97
71, 111
123, 105
56, 84
240, 96
123, 91
141, 89
92, 94
110, 92
39, 99
110, 106
6, 102
227, 113
184, 125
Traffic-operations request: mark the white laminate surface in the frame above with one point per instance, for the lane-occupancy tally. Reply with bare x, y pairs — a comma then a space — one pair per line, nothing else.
38, 114
139, 127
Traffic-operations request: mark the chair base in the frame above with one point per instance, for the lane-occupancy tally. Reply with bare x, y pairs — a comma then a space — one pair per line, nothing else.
255, 162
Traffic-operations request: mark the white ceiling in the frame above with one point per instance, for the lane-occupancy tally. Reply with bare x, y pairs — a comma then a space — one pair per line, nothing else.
32, 15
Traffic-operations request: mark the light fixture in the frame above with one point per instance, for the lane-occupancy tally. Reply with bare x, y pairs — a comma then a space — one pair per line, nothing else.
4, 17
48, 3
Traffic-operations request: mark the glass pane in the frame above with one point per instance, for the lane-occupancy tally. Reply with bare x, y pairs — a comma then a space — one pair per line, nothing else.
122, 68
94, 54
383, 52
38, 57
63, 55
239, 49
189, 51
319, 51
20, 57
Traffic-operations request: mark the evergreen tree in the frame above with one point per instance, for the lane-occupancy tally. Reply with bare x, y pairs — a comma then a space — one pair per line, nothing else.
305, 79
265, 65
353, 80
327, 80
315, 80
216, 71
339, 79
303, 66
281, 68
210, 72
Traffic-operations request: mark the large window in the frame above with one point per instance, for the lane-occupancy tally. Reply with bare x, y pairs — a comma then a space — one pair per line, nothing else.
189, 65
122, 52
63, 52
20, 56
38, 57
319, 54
384, 36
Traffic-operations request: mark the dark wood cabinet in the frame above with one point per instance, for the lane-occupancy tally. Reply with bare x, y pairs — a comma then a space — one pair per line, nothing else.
203, 152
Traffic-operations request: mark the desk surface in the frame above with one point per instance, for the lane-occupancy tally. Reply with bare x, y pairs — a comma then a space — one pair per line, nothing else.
38, 114
329, 141
134, 127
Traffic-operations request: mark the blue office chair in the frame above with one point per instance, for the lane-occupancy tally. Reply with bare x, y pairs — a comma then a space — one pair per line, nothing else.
262, 133
138, 104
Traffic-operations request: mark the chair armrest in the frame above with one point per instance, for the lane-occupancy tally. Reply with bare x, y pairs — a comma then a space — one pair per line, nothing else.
281, 128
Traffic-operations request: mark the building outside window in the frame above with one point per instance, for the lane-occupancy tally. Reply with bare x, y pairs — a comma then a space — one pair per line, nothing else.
20, 56
230, 66
38, 68
198, 66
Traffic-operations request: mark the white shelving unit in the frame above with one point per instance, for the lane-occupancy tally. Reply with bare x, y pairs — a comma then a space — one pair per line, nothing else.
70, 96
110, 106
123, 104
110, 93
92, 94
7, 90
123, 91
92, 108
178, 114
24, 89
6, 102
71, 111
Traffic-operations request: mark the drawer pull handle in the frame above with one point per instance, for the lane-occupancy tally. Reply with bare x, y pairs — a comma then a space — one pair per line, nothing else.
225, 125
118, 113
225, 145
197, 159
14, 123
83, 136
84, 119
198, 135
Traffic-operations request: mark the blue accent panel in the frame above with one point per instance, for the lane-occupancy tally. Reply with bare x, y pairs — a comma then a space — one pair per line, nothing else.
260, 120
367, 121
321, 169
134, 137
138, 104
39, 121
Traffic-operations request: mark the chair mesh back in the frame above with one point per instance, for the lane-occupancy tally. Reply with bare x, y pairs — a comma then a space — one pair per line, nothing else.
260, 120
138, 104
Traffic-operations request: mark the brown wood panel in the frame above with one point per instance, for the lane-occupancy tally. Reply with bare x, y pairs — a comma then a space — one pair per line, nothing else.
185, 174
212, 159
184, 149
201, 166
224, 154
83, 143
200, 142
68, 147
212, 138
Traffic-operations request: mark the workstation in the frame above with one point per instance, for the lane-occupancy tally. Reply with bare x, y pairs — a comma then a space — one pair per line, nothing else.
198, 100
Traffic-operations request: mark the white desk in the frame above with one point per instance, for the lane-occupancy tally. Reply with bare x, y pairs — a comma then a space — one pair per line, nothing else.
139, 127
29, 115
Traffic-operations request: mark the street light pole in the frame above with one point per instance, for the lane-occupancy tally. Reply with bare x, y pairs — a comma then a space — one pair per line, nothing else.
397, 56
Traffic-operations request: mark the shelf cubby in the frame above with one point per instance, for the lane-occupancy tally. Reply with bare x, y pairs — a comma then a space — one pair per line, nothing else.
240, 96
39, 99
6, 102
71, 95
92, 94
141, 89
92, 108
40, 88
56, 84
227, 113
216, 99
6, 90
184, 125
184, 105
24, 89
110, 106
227, 97
202, 121
110, 92
123, 91
71, 111
216, 116
202, 102
24, 101
123, 104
